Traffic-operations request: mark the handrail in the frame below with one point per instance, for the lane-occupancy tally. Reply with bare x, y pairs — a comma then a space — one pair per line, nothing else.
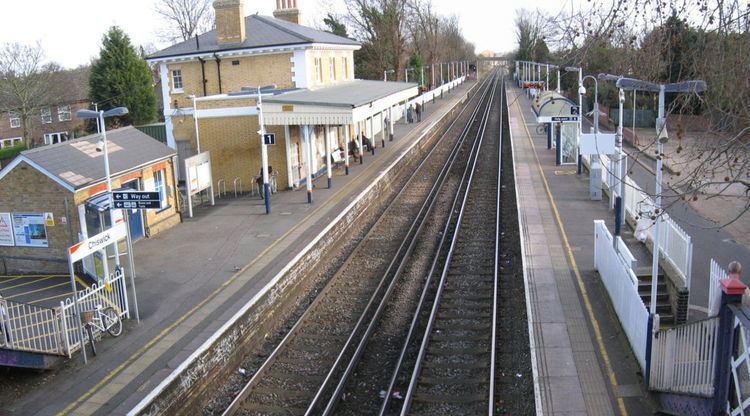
235, 186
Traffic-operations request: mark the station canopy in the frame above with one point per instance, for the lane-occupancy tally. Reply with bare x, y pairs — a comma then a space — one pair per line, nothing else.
549, 104
344, 103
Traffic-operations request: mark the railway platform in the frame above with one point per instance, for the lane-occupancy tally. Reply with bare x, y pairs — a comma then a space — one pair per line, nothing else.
192, 280
581, 357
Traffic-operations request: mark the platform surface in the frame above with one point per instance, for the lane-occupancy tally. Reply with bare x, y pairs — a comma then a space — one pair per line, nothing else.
193, 277
583, 363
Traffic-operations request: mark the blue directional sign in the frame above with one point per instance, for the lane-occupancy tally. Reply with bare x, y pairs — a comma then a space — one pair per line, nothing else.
269, 138
136, 200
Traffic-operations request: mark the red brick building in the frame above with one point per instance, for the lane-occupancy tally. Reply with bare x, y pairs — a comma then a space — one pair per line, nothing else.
55, 122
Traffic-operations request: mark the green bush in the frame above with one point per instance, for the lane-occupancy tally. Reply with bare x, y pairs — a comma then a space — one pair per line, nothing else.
9, 152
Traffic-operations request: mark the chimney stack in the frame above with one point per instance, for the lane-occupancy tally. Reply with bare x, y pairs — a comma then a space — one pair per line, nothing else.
230, 21
287, 10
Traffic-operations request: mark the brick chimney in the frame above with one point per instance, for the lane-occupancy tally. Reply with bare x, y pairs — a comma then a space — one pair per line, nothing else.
287, 10
230, 21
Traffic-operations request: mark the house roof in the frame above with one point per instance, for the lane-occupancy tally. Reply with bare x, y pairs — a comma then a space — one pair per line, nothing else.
347, 94
261, 31
77, 164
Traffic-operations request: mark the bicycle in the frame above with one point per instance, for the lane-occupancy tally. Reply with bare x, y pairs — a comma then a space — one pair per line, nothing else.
542, 128
104, 319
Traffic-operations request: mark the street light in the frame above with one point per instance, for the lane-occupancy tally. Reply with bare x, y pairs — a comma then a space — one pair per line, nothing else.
263, 146
620, 170
386, 72
694, 86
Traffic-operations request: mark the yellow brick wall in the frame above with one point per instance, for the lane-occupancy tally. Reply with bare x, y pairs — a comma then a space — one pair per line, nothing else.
340, 67
251, 71
235, 150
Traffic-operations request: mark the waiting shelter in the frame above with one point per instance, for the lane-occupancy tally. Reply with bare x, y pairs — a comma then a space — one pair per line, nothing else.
561, 116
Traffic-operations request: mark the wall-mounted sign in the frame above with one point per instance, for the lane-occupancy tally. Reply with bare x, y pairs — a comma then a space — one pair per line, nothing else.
6, 230
269, 138
29, 230
287, 108
49, 219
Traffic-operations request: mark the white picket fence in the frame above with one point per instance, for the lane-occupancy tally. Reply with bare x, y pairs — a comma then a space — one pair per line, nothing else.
683, 358
622, 286
104, 294
32, 328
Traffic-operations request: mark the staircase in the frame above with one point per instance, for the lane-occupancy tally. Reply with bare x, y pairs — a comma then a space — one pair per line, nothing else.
663, 304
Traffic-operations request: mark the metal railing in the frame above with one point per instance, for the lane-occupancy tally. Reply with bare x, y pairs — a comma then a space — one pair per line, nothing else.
674, 243
683, 358
112, 293
619, 280
234, 182
30, 328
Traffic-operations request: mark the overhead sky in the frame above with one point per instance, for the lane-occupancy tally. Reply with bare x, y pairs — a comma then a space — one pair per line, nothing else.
70, 31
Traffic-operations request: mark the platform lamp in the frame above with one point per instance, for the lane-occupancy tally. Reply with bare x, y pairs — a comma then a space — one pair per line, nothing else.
386, 72
631, 84
619, 169
263, 146
102, 146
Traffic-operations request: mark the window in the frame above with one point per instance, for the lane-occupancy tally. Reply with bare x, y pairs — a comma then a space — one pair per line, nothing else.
15, 120
13, 141
177, 80
319, 69
63, 113
159, 176
345, 64
46, 115
332, 67
54, 138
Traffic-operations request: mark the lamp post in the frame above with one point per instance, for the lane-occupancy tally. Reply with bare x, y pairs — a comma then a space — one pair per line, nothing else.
695, 86
263, 146
619, 169
386, 72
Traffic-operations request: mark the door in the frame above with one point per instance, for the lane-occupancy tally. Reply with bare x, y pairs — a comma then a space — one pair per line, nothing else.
135, 217
184, 151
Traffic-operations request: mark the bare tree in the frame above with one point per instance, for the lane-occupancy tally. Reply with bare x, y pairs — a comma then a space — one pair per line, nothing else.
185, 18
25, 83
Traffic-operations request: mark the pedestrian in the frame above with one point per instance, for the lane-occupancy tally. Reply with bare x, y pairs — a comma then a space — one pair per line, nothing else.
409, 115
259, 180
354, 150
418, 110
734, 271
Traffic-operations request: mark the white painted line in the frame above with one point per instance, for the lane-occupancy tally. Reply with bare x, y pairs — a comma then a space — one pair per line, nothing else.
236, 317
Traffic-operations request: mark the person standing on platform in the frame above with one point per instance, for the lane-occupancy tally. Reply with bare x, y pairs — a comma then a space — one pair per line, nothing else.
418, 110
410, 114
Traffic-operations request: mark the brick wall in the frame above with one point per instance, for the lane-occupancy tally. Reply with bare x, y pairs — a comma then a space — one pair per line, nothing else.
328, 76
37, 129
27, 190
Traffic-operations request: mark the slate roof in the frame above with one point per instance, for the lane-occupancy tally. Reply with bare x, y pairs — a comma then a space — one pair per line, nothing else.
78, 163
346, 94
261, 31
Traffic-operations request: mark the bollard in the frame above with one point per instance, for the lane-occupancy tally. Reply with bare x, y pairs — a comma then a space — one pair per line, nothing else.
329, 183
346, 169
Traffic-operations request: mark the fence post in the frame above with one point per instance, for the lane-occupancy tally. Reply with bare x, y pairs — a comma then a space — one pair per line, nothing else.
649, 346
618, 220
732, 290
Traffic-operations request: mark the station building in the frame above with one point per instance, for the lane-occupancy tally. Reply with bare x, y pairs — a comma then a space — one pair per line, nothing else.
54, 196
209, 89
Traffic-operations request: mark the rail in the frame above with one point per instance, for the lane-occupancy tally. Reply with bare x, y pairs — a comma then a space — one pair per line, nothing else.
221, 186
683, 358
619, 280
234, 182
105, 293
26, 327
675, 245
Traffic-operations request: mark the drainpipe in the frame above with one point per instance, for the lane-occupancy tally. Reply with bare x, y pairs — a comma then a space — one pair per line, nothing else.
218, 69
203, 74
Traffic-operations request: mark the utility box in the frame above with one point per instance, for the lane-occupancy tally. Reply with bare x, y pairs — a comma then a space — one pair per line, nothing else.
595, 180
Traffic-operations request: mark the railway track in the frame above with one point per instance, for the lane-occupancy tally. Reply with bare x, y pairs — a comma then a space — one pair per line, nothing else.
454, 370
305, 373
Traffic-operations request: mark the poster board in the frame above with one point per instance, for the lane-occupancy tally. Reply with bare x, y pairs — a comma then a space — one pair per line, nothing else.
198, 172
598, 143
6, 230
29, 230
568, 143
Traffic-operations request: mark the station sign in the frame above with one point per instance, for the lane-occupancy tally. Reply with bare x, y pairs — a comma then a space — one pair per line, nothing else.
557, 119
98, 242
269, 138
136, 200
535, 85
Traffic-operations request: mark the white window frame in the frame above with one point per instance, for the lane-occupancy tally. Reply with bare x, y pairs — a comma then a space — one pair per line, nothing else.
63, 113
49, 138
176, 76
15, 119
319, 69
10, 142
332, 67
160, 185
46, 114
345, 64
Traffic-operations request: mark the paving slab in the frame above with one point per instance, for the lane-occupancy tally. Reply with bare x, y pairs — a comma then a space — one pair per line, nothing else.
192, 278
